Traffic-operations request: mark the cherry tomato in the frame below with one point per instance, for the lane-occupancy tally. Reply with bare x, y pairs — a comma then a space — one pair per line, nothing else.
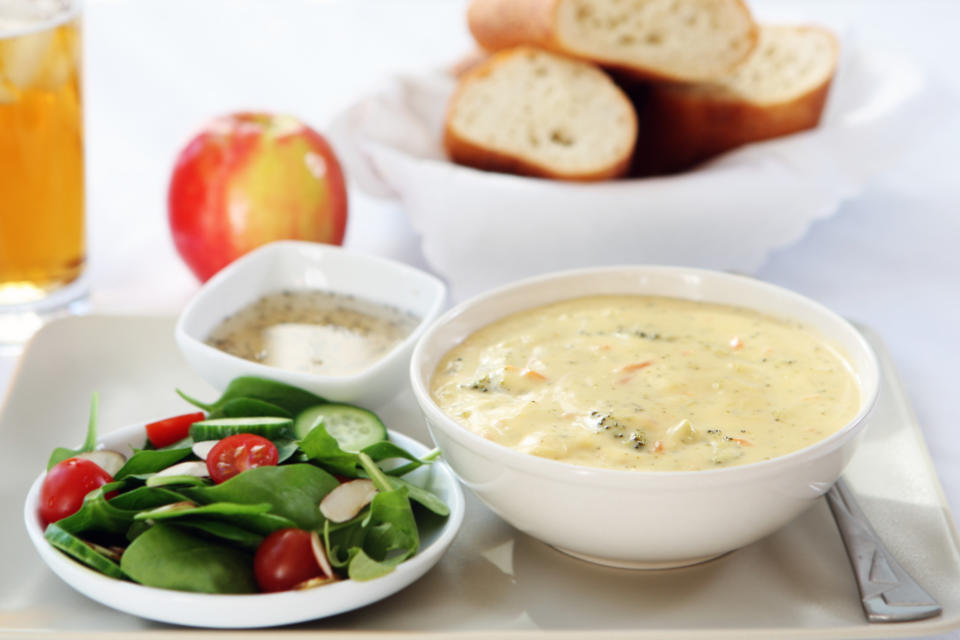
238, 453
285, 559
163, 433
65, 486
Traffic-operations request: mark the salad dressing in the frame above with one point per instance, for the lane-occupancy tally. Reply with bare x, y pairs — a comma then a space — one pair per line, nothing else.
314, 332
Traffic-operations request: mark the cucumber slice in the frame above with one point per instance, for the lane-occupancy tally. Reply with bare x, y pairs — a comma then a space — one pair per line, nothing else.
80, 550
354, 428
272, 428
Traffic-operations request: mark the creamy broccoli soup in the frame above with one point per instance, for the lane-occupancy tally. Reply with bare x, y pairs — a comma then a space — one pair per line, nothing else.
649, 383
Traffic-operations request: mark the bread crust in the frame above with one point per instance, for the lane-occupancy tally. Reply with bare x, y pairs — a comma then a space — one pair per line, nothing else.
681, 126
501, 24
466, 152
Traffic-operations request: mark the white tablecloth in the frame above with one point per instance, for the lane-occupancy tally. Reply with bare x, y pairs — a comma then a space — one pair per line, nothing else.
156, 70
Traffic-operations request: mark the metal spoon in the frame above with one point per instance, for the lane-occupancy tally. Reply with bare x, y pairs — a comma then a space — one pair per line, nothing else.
888, 593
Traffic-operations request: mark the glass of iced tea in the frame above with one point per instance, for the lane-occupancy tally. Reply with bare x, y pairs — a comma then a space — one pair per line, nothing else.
41, 162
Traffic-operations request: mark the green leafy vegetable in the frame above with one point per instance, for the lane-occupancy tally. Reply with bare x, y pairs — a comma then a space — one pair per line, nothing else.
323, 449
89, 443
292, 490
151, 461
291, 399
386, 535
224, 530
215, 508
286, 449
114, 516
188, 534
422, 496
170, 481
168, 557
248, 408
363, 567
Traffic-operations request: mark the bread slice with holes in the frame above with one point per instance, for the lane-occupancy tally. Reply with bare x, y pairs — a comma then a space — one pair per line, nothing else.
781, 89
531, 112
679, 40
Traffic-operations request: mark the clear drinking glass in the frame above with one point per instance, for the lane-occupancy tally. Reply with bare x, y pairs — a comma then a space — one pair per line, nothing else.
42, 249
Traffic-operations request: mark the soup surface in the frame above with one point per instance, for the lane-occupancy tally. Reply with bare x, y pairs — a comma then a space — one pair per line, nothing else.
648, 383
313, 331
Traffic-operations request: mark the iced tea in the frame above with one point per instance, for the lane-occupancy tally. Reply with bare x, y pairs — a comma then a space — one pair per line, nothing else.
41, 151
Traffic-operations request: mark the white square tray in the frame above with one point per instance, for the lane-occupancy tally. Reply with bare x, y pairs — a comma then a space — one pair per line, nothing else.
494, 581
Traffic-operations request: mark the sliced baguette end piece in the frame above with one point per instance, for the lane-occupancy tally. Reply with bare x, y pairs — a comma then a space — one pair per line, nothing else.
781, 89
530, 112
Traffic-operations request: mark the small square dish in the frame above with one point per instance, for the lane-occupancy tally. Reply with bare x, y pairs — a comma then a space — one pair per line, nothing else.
309, 267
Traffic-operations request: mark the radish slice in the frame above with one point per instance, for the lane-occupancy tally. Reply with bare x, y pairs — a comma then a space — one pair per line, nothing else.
311, 583
190, 468
109, 461
110, 552
347, 500
321, 555
202, 449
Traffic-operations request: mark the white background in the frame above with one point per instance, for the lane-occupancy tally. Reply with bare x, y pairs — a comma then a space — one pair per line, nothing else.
156, 70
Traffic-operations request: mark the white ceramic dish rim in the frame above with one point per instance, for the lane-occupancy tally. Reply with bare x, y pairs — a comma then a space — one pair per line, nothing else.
340, 597
566, 472
227, 273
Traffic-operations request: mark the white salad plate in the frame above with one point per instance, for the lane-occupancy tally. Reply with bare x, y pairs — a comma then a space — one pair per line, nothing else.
493, 581
252, 610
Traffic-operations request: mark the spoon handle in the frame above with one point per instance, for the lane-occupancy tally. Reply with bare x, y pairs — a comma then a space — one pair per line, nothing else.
887, 591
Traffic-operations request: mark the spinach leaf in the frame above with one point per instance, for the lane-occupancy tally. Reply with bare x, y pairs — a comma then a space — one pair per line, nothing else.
153, 480
253, 518
183, 443
214, 508
90, 442
136, 528
390, 522
391, 527
224, 530
363, 567
286, 447
291, 399
370, 545
151, 461
145, 498
168, 557
386, 450
248, 408
343, 541
422, 496
115, 515
322, 448
294, 491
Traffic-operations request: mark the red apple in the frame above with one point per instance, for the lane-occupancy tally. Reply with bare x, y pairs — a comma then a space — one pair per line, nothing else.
251, 178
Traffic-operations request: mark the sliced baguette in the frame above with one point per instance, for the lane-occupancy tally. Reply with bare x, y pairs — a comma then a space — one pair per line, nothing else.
780, 89
678, 40
531, 112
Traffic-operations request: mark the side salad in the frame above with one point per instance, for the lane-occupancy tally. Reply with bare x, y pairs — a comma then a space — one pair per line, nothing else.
269, 488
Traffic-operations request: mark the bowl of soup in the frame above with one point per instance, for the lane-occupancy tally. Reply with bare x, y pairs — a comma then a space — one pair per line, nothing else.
645, 416
339, 323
